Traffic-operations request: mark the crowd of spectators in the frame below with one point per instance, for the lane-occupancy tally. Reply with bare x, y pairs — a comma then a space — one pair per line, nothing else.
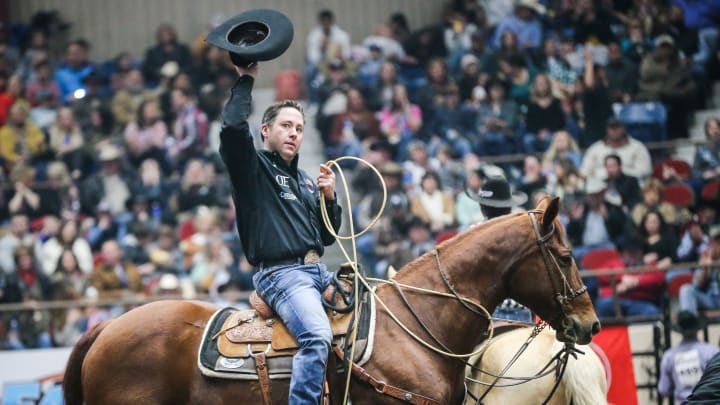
112, 186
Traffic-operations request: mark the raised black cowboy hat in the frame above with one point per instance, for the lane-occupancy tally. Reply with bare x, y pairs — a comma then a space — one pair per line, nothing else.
255, 35
688, 322
495, 192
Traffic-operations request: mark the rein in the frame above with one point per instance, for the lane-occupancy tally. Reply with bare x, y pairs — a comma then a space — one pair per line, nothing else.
564, 298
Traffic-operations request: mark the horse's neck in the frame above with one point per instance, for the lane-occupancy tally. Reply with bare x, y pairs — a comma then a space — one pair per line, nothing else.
473, 262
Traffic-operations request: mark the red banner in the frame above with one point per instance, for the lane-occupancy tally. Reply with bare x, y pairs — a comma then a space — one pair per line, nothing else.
612, 345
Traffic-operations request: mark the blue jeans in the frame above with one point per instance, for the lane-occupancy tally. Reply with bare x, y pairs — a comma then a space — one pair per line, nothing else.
294, 292
691, 299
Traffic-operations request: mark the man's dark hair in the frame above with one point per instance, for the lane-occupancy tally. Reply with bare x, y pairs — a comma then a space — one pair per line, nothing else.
81, 42
614, 156
326, 15
272, 111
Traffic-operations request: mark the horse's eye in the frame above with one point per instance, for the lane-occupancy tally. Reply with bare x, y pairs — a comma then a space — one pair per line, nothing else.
566, 260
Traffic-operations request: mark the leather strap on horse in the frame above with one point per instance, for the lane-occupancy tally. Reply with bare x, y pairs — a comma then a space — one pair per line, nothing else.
263, 377
384, 388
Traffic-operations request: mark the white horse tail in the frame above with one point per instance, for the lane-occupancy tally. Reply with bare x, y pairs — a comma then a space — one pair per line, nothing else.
587, 367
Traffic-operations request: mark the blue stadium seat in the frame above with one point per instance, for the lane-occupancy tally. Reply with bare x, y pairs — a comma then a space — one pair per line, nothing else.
645, 121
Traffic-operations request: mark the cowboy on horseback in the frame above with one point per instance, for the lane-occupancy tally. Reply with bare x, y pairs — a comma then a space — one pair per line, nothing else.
280, 225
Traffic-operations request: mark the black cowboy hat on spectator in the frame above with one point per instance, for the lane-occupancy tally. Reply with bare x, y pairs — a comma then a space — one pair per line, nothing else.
688, 322
495, 192
255, 35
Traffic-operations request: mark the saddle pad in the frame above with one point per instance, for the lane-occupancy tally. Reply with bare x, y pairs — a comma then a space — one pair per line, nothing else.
213, 364
238, 363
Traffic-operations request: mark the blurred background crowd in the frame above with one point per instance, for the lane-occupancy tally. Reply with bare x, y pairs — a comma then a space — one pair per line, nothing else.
111, 185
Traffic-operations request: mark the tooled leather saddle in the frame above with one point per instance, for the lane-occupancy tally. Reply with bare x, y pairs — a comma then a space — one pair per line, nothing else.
254, 344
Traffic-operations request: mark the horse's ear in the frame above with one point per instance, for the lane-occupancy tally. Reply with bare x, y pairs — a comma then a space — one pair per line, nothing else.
551, 212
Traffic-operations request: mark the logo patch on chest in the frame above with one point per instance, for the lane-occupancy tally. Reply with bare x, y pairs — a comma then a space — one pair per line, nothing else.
288, 196
283, 181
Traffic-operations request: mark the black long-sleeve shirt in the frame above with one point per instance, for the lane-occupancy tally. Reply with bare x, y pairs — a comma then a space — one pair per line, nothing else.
277, 205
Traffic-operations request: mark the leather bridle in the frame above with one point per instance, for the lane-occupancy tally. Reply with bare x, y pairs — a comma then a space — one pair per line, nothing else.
564, 293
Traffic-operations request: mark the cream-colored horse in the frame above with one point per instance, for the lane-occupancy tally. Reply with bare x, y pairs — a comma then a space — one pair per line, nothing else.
584, 381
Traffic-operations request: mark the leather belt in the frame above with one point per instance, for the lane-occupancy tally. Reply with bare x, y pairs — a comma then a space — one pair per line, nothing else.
311, 257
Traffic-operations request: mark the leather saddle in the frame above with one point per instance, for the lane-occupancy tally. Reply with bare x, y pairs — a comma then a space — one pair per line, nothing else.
258, 330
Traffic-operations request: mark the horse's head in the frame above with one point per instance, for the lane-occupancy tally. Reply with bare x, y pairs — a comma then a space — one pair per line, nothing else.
549, 267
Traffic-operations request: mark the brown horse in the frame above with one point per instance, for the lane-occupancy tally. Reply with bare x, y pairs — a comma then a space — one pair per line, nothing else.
149, 354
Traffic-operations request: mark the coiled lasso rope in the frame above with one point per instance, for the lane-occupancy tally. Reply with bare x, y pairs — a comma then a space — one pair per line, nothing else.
358, 277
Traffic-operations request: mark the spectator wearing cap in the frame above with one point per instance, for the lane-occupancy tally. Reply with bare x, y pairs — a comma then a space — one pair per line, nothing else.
20, 139
704, 291
166, 49
664, 77
70, 74
635, 156
109, 184
524, 23
469, 76
638, 294
594, 222
683, 364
